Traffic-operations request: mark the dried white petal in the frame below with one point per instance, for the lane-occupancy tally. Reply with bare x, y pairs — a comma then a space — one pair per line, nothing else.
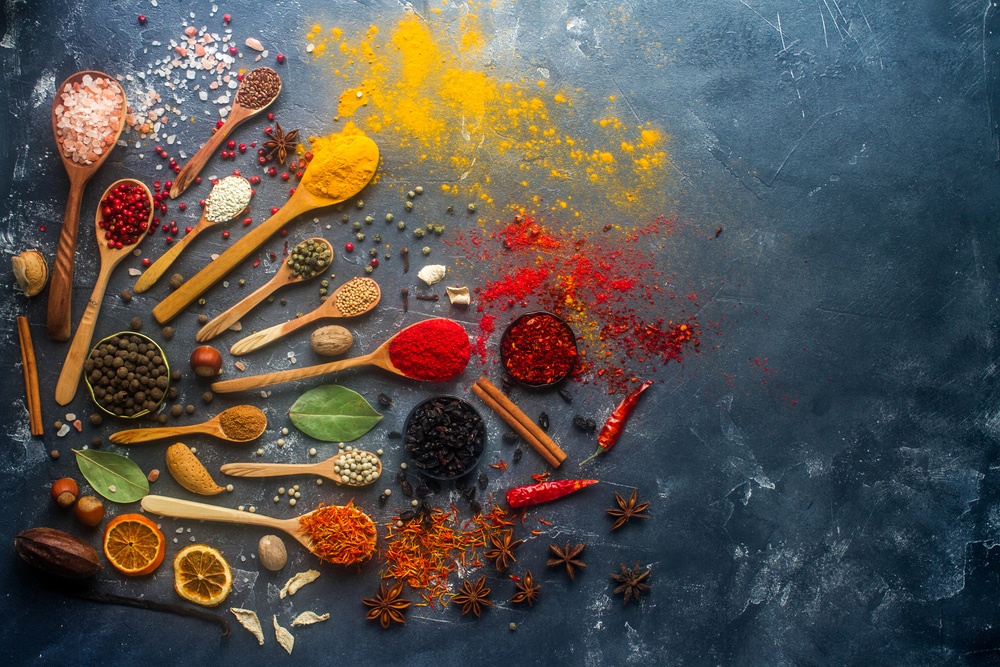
308, 618
248, 619
283, 636
459, 296
293, 585
432, 273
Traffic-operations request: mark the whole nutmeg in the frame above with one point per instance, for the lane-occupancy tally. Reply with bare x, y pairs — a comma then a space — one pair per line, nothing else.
331, 341
206, 361
31, 271
271, 551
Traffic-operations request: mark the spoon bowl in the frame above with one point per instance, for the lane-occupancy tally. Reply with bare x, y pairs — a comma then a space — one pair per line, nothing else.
354, 551
237, 115
330, 308
379, 357
69, 377
214, 427
59, 317
332, 468
285, 275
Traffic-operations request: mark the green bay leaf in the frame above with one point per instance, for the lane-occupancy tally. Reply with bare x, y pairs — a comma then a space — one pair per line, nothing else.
332, 413
117, 478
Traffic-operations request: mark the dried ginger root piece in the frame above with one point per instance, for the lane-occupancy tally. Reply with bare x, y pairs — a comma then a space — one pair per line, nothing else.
308, 618
283, 636
293, 585
248, 619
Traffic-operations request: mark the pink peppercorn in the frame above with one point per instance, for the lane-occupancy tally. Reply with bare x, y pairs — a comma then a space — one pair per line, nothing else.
272, 171
281, 58
247, 222
187, 230
197, 180
349, 247
254, 180
147, 262
225, 234
233, 51
274, 209
227, 18
374, 262
270, 116
243, 148
182, 206
231, 143
236, 172
284, 176
142, 19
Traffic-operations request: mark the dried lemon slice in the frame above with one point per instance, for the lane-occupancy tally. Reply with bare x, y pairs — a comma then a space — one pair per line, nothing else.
202, 575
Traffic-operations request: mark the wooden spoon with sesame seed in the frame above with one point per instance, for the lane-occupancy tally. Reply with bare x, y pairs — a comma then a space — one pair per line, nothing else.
338, 304
59, 317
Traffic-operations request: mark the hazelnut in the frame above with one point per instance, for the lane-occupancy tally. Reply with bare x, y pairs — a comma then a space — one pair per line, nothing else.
89, 510
31, 271
331, 341
271, 551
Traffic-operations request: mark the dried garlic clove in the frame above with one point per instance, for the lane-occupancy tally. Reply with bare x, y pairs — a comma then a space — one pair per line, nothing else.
309, 617
293, 585
248, 619
283, 636
31, 271
459, 296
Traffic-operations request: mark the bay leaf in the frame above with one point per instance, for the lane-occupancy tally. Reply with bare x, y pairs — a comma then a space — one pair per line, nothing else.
332, 413
117, 478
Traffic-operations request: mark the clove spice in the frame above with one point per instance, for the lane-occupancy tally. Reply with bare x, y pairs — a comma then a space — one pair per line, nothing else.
405, 293
427, 297
405, 253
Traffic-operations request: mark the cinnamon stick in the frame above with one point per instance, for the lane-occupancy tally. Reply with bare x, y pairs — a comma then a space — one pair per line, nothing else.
34, 399
520, 422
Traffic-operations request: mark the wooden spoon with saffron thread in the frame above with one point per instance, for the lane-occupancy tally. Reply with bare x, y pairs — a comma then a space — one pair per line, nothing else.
72, 369
300, 202
237, 115
160, 266
283, 276
213, 427
327, 468
325, 310
186, 509
59, 317
378, 357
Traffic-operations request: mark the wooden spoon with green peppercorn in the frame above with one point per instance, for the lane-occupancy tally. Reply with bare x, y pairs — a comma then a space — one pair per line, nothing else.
307, 260
220, 426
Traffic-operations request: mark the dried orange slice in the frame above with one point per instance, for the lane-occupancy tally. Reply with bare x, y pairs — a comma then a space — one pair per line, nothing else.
133, 544
202, 575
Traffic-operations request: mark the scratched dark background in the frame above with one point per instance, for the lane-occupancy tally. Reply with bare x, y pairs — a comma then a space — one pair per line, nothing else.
823, 476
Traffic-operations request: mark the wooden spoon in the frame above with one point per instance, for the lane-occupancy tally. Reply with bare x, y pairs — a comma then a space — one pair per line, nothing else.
59, 316
186, 509
69, 377
378, 357
325, 468
160, 266
237, 115
282, 277
211, 427
299, 203
327, 309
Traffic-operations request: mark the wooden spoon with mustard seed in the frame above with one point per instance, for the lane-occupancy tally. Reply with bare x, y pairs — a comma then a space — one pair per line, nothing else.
213, 427
59, 317
327, 469
237, 114
285, 275
328, 309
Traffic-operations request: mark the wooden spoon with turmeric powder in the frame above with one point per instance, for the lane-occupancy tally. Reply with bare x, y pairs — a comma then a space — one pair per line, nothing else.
240, 423
341, 166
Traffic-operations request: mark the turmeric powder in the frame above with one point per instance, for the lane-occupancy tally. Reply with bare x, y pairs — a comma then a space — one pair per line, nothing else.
342, 164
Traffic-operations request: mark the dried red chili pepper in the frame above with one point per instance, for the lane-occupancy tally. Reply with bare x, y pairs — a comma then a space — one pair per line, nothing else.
533, 494
613, 427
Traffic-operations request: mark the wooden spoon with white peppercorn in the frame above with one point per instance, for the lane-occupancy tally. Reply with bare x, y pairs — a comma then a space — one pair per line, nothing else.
227, 199
255, 93
218, 426
355, 297
336, 468
290, 271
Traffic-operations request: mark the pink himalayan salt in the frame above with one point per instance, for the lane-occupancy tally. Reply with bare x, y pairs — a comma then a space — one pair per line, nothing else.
88, 117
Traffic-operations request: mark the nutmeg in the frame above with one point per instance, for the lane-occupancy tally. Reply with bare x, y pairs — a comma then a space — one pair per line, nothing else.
331, 340
272, 553
31, 271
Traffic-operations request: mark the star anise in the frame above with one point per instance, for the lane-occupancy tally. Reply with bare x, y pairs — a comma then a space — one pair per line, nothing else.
568, 556
503, 551
527, 589
281, 143
626, 510
631, 582
387, 606
473, 597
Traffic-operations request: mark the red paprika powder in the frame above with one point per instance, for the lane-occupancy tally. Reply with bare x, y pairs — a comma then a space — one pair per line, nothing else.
433, 350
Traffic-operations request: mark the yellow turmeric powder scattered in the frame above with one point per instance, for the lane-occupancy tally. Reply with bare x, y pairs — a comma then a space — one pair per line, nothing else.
342, 164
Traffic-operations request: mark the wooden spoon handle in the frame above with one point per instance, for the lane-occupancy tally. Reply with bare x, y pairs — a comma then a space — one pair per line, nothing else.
230, 316
69, 376
268, 469
194, 166
61, 282
171, 306
187, 509
134, 435
258, 340
160, 266
267, 379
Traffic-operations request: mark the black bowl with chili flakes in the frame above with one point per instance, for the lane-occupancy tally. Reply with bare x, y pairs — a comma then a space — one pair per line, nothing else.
445, 437
127, 375
538, 350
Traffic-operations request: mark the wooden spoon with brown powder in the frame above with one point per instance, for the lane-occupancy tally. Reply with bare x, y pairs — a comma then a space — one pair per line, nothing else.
241, 423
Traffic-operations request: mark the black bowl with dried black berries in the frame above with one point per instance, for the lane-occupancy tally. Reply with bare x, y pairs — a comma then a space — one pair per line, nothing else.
127, 374
445, 437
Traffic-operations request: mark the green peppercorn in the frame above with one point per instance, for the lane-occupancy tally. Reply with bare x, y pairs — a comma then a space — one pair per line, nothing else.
369, 268
359, 236
344, 219
369, 219
409, 206
401, 225
438, 229
418, 233
425, 250
419, 189
373, 252
361, 203
471, 208
356, 225
389, 217
451, 209
377, 238
411, 194
324, 283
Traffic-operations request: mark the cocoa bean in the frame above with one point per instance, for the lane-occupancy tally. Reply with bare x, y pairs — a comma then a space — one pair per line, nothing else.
57, 553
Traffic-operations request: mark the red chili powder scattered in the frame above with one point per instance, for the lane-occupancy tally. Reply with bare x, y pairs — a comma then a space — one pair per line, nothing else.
433, 350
